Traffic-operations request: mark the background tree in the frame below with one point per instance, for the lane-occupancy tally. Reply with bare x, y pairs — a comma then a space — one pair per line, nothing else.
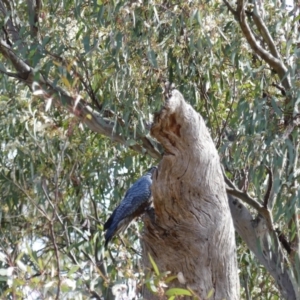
70, 71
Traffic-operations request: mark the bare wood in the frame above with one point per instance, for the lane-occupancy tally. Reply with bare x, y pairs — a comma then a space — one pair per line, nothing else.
260, 24
266, 247
276, 63
193, 232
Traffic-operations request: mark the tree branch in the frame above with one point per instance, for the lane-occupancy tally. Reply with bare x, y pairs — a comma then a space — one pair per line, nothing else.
269, 189
280, 88
274, 62
34, 7
230, 8
10, 74
234, 191
85, 82
92, 118
56, 252
267, 250
283, 240
88, 116
264, 31
22, 68
11, 29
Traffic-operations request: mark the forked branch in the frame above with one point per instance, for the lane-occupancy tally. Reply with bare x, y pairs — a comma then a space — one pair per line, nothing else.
273, 58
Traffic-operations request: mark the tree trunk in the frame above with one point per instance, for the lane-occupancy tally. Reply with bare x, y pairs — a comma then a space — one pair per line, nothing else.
193, 230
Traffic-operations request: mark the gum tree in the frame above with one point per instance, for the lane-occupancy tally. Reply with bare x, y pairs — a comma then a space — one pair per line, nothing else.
79, 85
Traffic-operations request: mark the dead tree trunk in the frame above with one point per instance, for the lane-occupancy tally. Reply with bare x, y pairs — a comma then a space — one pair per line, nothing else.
193, 230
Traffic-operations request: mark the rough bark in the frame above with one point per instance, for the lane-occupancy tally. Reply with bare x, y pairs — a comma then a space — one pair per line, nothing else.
193, 230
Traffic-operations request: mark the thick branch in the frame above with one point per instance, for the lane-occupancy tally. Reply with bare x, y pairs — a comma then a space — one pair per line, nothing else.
245, 197
267, 250
263, 211
234, 191
265, 32
22, 68
88, 116
93, 119
77, 106
274, 62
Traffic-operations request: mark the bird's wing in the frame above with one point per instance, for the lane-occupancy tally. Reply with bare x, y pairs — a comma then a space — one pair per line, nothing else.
135, 201
137, 195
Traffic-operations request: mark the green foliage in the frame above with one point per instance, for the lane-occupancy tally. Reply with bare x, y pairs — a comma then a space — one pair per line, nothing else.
60, 181
177, 292
157, 283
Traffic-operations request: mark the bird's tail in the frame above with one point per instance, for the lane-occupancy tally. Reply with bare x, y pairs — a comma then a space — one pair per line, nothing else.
108, 236
115, 228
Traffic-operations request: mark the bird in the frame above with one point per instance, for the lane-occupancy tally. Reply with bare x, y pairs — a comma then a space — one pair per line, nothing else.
136, 200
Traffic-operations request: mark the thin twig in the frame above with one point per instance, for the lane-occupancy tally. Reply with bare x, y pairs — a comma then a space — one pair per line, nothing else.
34, 8
281, 88
283, 240
6, 36
207, 101
56, 252
229, 113
95, 295
269, 189
230, 8
88, 87
28, 196
44, 188
88, 256
13, 35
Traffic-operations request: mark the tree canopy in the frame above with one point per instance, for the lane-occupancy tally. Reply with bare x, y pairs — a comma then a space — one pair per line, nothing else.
80, 82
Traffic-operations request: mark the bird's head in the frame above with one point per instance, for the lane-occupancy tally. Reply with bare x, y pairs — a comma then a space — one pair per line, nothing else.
151, 170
